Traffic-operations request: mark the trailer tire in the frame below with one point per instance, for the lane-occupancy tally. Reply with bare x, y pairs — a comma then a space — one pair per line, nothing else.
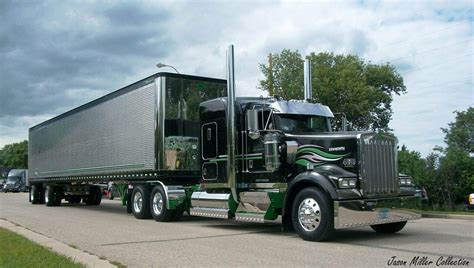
389, 228
95, 196
158, 208
312, 215
35, 195
141, 202
52, 197
59, 195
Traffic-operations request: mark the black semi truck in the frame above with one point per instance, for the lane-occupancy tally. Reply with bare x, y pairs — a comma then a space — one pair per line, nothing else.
186, 144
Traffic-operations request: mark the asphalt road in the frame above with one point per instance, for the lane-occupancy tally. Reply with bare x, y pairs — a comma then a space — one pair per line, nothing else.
108, 231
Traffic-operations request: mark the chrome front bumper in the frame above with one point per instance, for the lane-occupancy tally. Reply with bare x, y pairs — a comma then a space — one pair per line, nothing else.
354, 213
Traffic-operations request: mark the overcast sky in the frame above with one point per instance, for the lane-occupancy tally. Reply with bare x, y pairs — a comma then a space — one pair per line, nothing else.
56, 55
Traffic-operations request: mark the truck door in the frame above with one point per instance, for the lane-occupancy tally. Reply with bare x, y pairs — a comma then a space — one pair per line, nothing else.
254, 161
210, 149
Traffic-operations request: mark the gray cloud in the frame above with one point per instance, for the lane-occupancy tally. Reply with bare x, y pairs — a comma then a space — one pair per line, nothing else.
73, 47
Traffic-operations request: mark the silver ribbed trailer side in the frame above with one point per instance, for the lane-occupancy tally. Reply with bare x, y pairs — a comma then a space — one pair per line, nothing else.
112, 134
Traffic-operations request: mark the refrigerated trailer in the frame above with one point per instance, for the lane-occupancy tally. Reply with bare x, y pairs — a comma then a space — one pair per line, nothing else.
186, 143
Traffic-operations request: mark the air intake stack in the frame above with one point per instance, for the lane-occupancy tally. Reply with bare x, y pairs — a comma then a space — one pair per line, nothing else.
231, 122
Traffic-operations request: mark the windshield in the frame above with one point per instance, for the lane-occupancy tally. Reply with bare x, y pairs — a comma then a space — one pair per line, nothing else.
13, 179
302, 123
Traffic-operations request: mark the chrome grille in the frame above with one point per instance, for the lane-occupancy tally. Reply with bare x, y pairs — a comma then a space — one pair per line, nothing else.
378, 165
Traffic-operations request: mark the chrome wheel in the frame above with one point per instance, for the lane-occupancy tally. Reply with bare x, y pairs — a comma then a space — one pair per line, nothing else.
309, 214
137, 202
157, 203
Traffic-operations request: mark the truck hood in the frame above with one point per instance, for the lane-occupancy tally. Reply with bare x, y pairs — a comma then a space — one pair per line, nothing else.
339, 148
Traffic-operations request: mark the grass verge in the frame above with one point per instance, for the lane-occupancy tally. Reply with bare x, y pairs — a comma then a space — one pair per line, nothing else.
17, 251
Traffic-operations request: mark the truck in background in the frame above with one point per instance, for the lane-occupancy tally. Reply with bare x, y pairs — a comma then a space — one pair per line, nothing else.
186, 143
17, 181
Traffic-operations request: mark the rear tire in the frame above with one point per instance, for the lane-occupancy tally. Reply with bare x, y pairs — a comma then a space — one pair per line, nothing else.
159, 209
389, 228
312, 215
52, 196
141, 202
95, 196
35, 195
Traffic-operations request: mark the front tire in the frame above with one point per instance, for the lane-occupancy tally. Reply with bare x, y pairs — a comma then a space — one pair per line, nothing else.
389, 228
159, 210
312, 215
141, 202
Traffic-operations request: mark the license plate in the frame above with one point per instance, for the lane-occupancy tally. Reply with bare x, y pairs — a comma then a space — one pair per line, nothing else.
384, 213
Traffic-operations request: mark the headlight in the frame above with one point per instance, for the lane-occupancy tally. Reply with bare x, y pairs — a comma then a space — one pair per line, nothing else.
345, 183
405, 181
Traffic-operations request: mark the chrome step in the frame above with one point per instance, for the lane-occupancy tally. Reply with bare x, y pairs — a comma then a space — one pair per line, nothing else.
250, 217
214, 205
252, 206
210, 212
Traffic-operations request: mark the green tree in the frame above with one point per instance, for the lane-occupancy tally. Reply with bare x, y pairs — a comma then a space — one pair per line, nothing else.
456, 167
460, 133
363, 91
411, 163
14, 155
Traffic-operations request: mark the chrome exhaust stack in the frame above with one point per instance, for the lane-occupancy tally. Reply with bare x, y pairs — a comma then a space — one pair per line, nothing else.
231, 181
308, 92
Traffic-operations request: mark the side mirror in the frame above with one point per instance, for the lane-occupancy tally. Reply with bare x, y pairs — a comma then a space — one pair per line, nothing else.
252, 124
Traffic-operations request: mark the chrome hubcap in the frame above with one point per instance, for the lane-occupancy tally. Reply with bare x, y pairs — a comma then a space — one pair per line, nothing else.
32, 192
157, 203
309, 214
137, 202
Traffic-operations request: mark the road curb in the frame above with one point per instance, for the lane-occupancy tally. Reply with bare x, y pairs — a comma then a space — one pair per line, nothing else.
448, 216
75, 254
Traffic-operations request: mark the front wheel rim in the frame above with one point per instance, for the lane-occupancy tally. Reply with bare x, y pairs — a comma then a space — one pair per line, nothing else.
157, 203
137, 202
309, 214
